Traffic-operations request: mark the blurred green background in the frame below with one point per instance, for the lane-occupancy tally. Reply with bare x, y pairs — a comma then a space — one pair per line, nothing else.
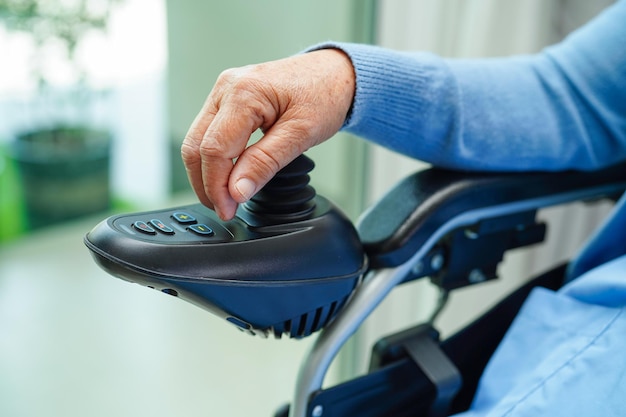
48, 170
94, 107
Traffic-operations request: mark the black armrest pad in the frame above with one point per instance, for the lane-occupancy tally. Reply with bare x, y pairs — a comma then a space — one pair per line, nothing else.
401, 222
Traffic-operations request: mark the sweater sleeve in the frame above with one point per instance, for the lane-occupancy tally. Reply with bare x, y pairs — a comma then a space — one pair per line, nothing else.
564, 108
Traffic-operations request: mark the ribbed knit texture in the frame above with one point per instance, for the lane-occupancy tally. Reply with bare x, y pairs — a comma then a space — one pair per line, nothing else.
563, 108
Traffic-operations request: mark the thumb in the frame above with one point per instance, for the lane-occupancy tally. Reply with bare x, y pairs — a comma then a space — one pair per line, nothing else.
260, 162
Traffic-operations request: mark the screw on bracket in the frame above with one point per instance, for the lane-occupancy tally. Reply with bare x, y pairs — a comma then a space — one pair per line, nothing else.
476, 276
318, 410
436, 262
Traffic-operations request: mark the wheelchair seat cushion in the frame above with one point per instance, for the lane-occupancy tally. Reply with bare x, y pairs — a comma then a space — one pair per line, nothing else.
564, 354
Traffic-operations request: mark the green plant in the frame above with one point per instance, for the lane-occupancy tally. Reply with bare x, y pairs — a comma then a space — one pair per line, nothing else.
63, 166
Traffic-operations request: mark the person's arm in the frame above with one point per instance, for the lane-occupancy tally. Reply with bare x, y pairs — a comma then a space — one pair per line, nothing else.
562, 108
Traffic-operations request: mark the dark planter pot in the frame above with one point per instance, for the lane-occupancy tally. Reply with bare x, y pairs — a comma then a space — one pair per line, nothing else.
65, 173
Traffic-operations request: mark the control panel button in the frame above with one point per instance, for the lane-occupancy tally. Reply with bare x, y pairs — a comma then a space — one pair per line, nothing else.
201, 229
162, 227
144, 227
183, 218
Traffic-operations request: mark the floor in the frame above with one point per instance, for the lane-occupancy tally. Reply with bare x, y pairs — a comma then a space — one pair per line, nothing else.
76, 342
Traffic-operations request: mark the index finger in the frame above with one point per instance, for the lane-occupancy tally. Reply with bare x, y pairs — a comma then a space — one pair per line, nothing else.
190, 149
225, 139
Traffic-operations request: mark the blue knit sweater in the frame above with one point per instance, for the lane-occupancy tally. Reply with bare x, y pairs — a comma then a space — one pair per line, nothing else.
564, 108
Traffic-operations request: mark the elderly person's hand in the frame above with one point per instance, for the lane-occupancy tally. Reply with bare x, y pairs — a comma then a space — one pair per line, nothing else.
297, 102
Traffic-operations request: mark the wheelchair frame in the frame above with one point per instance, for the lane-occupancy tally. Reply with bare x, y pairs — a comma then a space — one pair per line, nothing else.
430, 208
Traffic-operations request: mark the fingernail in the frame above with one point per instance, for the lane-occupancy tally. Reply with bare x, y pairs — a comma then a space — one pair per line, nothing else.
245, 187
219, 213
224, 215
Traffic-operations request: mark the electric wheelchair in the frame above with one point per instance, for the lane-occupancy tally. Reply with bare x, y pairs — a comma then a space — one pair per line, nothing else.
290, 264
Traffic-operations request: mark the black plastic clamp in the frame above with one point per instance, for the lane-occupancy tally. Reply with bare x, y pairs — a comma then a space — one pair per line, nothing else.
421, 344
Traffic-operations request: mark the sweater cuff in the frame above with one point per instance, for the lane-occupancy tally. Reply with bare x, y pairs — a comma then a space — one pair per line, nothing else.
394, 96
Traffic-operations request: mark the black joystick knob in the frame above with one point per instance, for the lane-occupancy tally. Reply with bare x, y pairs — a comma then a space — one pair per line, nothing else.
287, 197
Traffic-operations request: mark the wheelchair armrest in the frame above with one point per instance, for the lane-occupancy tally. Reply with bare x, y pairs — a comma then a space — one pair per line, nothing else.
408, 215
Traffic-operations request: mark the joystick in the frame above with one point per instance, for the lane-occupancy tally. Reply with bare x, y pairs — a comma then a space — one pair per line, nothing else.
285, 264
286, 197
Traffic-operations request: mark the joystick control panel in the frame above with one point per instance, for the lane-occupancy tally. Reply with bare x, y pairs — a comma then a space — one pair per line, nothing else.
284, 265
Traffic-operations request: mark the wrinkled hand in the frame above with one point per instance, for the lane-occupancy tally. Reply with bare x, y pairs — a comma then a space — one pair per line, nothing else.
297, 102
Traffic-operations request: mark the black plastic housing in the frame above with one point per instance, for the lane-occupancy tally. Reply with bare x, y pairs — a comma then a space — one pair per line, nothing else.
403, 220
288, 278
